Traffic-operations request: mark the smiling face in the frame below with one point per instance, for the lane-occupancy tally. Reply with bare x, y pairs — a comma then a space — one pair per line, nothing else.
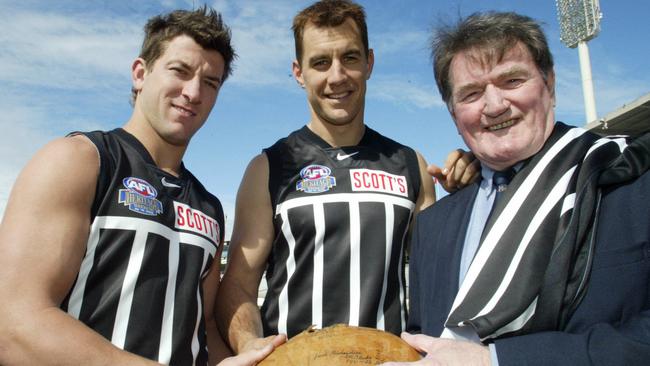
504, 109
177, 93
333, 70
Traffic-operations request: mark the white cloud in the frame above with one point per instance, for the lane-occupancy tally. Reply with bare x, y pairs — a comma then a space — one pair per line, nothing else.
18, 142
263, 40
397, 41
65, 52
402, 90
53, 64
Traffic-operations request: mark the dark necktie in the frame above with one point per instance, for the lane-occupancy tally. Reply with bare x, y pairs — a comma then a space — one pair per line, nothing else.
501, 179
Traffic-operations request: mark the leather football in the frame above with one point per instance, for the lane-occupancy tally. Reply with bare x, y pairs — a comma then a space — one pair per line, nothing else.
341, 345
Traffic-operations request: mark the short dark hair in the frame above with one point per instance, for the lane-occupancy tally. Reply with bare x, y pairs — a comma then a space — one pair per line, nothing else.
329, 13
492, 34
204, 25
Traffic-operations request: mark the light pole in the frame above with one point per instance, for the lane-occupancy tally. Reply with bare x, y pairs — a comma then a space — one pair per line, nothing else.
579, 23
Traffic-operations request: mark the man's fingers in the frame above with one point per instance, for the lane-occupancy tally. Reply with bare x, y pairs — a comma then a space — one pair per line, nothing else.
256, 351
460, 169
422, 343
452, 159
248, 358
436, 172
260, 354
277, 339
471, 173
462, 164
260, 343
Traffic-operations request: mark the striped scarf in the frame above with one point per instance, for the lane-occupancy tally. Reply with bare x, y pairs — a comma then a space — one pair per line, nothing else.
534, 259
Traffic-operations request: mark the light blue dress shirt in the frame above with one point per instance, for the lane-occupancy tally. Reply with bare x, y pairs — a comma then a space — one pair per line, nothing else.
480, 212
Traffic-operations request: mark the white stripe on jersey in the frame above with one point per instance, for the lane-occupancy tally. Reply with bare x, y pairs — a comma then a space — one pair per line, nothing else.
126, 295
390, 219
319, 263
77, 294
402, 295
283, 306
355, 263
195, 339
142, 228
167, 329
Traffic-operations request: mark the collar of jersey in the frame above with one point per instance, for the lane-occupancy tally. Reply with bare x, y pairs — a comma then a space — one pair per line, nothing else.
318, 141
139, 147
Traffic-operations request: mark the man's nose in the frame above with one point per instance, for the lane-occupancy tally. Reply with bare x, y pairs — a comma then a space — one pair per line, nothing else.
337, 73
192, 90
495, 102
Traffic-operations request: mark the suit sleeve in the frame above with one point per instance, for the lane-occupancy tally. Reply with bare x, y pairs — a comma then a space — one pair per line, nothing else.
601, 344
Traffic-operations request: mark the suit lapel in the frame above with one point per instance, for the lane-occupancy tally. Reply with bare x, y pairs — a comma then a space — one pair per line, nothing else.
451, 248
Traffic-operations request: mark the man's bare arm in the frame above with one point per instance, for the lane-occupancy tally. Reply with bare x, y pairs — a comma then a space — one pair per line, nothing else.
427, 195
217, 348
43, 239
238, 315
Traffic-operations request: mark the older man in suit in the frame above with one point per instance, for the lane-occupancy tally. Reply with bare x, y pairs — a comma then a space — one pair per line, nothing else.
546, 260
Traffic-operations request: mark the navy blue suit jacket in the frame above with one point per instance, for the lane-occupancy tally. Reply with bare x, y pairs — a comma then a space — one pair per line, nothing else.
611, 325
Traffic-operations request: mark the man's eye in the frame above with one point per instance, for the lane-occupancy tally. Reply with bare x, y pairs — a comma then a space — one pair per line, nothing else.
212, 85
470, 96
514, 82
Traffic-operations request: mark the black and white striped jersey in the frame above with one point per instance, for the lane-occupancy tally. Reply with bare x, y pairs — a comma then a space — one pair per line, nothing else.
341, 217
152, 240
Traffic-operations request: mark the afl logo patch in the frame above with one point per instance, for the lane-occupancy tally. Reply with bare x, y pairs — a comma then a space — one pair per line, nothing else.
315, 179
140, 197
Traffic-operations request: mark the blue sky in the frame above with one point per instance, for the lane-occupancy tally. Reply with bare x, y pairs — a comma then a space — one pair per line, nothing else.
64, 66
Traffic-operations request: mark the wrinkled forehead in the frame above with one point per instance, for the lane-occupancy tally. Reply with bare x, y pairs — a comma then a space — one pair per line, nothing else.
487, 57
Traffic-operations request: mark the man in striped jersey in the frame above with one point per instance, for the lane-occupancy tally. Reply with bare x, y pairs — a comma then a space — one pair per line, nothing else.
325, 212
552, 267
109, 247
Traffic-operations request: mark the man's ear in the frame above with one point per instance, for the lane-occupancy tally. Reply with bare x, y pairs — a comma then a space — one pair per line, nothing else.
296, 70
550, 84
138, 73
450, 108
371, 62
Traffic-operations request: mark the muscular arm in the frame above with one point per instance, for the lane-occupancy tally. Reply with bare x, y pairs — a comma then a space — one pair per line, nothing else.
427, 195
217, 349
42, 242
238, 315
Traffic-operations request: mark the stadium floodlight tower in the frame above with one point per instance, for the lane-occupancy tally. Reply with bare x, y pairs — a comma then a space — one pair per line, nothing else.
579, 23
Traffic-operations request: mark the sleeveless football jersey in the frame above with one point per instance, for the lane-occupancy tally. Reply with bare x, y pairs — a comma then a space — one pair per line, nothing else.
153, 238
341, 217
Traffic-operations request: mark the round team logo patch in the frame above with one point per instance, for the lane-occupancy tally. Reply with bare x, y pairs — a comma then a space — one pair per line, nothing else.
315, 179
140, 196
